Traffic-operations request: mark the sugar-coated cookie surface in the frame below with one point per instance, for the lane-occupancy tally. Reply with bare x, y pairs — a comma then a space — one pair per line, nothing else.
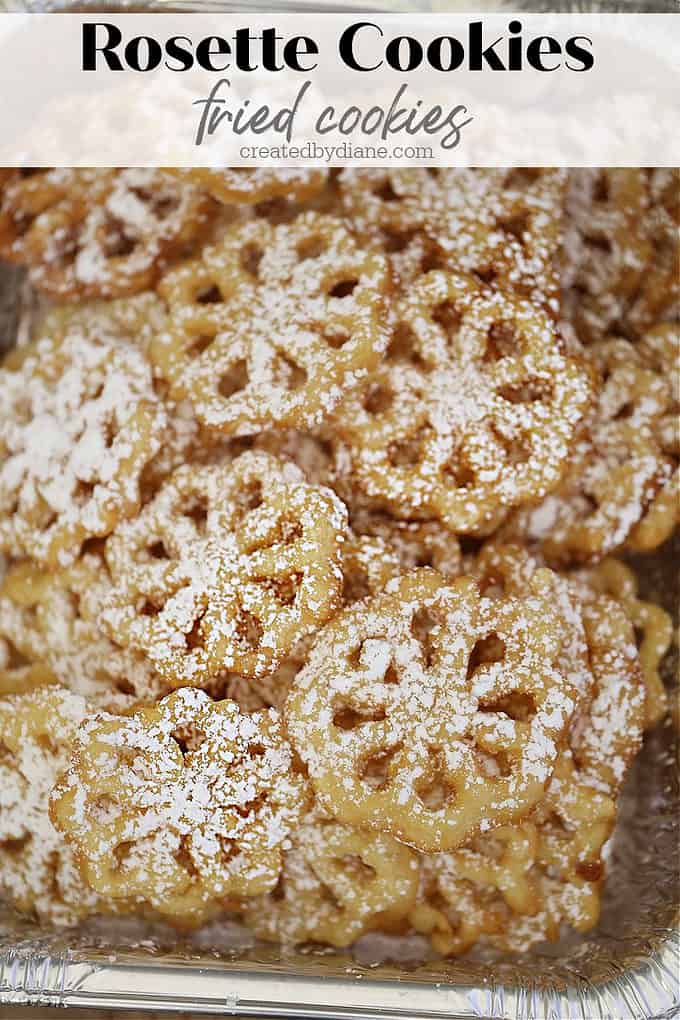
323, 495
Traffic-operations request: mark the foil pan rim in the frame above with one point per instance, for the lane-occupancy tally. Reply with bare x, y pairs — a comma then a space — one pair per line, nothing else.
32, 975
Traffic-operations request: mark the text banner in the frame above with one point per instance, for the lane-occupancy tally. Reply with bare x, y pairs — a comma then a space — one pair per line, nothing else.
293, 90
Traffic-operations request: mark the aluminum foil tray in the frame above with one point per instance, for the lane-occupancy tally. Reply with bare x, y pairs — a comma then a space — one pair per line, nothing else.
627, 969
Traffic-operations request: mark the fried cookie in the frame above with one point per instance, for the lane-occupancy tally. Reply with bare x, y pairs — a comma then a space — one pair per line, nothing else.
659, 349
501, 225
403, 714
225, 569
618, 465
621, 260
180, 805
470, 893
270, 327
91, 233
79, 422
337, 883
44, 618
474, 410
251, 185
38, 871
598, 654
648, 627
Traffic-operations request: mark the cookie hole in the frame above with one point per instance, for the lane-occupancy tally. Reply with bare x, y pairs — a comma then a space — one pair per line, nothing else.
199, 345
602, 191
386, 193
376, 768
432, 260
198, 513
496, 764
487, 274
343, 289
589, 871
209, 296
501, 341
397, 241
15, 847
185, 861
354, 656
229, 850
519, 706
235, 380
391, 676
48, 517
438, 902
250, 259
276, 210
298, 767
249, 630
639, 635
149, 608
528, 393
355, 586
448, 317
311, 248
93, 547
123, 686
404, 346
625, 411
286, 588
406, 452
601, 243
425, 558
459, 473
328, 897
278, 893
347, 718
83, 491
47, 743
164, 205
116, 244
104, 810
249, 498
289, 530
492, 584
122, 854
378, 398
435, 791
294, 376
252, 806
194, 638
485, 651
110, 432
556, 827
423, 625
588, 504
515, 226
188, 737
10, 658
157, 551
336, 339
516, 449
68, 242
521, 178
